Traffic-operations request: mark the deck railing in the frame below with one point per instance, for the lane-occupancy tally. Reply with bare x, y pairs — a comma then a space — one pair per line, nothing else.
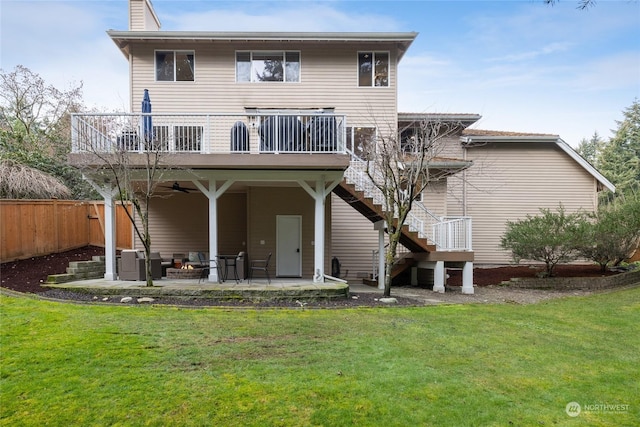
447, 233
209, 133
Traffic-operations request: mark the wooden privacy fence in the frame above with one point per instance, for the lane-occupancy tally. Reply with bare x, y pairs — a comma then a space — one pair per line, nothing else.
31, 228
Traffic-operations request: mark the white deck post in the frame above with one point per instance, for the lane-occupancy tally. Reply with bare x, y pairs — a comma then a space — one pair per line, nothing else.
438, 277
381, 259
318, 254
467, 278
213, 228
109, 236
380, 226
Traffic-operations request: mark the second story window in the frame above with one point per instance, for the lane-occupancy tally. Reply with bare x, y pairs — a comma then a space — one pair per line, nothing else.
174, 66
373, 69
276, 66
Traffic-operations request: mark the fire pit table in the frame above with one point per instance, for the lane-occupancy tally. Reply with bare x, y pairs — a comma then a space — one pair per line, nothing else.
184, 273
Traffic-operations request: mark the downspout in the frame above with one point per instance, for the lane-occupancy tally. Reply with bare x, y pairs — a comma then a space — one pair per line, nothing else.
464, 182
131, 83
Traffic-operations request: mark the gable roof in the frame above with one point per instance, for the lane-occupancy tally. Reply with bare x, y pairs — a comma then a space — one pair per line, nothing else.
401, 41
471, 137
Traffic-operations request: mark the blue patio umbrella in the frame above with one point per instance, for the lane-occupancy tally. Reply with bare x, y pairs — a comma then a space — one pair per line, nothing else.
147, 126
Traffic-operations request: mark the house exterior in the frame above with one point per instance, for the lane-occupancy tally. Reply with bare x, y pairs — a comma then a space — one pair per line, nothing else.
265, 133
513, 175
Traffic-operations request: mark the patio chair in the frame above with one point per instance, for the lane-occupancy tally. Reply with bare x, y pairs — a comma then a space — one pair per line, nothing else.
260, 265
206, 266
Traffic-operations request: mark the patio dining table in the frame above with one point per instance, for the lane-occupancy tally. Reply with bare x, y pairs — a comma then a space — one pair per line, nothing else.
229, 262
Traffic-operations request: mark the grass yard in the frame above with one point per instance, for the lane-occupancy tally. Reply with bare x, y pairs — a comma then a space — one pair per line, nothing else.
458, 365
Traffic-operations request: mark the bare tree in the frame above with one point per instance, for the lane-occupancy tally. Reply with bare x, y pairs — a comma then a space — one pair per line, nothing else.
129, 171
35, 126
401, 164
35, 112
582, 4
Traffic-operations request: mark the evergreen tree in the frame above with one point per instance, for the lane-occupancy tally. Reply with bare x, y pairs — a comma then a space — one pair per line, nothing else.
619, 159
590, 149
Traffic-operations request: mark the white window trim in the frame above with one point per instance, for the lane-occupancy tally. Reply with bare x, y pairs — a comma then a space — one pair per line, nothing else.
373, 52
284, 57
155, 65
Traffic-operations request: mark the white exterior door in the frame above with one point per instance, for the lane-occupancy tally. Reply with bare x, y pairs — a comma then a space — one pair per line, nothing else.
288, 246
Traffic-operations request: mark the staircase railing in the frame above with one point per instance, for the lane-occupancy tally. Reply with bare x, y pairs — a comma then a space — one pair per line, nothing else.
447, 233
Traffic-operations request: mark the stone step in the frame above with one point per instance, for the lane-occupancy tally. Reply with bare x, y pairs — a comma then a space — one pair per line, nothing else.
60, 278
80, 270
86, 264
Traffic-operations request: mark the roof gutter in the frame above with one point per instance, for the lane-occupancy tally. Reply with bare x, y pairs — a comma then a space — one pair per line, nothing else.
465, 119
123, 38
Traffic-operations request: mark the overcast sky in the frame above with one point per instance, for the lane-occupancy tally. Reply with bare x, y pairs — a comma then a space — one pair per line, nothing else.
523, 65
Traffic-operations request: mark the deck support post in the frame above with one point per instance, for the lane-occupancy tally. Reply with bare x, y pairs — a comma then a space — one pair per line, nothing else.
213, 229
467, 278
439, 277
109, 236
109, 228
213, 193
318, 256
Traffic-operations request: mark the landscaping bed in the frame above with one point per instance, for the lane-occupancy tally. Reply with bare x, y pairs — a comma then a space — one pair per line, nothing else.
26, 276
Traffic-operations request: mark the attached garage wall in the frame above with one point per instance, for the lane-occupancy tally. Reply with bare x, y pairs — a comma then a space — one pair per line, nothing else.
509, 181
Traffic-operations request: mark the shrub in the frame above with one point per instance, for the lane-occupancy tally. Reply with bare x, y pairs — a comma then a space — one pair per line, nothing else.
613, 234
552, 237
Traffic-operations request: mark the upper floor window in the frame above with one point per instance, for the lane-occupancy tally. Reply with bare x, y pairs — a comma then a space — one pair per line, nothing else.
272, 66
362, 141
373, 69
174, 66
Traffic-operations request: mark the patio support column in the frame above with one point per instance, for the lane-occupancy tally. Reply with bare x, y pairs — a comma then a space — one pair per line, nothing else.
381, 259
438, 277
109, 237
467, 278
319, 195
318, 256
108, 193
213, 193
213, 229
380, 226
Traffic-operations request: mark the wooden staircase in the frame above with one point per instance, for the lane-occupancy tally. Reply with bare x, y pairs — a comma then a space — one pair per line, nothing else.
373, 212
399, 267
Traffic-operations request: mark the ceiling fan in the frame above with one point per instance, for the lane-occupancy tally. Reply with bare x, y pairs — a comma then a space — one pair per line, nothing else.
176, 187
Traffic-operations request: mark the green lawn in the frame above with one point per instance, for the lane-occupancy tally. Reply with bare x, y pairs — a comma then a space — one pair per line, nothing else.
458, 365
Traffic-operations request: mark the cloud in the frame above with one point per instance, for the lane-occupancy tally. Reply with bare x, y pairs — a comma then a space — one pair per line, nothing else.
551, 48
617, 71
268, 16
67, 50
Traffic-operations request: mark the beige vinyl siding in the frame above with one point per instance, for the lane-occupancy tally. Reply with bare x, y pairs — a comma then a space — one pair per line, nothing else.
141, 16
434, 198
179, 223
136, 15
353, 236
353, 239
509, 181
264, 204
449, 147
328, 78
